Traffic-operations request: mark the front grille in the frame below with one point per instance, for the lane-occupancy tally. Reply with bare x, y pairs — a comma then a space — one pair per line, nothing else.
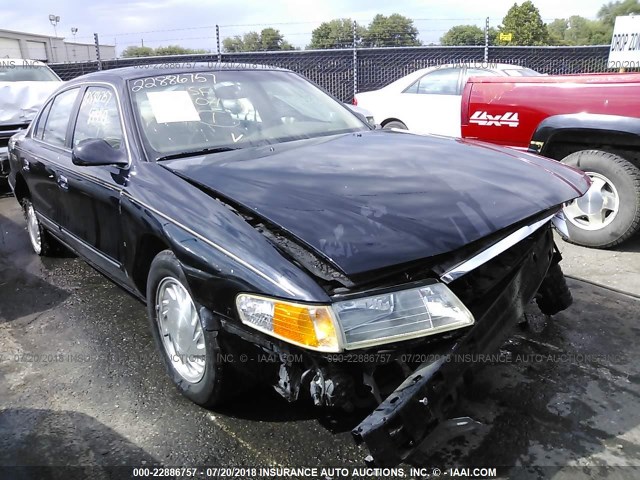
7, 131
14, 127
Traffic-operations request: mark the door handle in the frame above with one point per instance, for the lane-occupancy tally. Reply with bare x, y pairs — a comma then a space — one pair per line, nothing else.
62, 182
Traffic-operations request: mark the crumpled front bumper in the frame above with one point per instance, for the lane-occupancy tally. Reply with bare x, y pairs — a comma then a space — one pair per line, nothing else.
411, 415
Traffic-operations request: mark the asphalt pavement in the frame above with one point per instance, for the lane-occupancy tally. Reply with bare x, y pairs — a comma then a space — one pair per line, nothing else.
81, 384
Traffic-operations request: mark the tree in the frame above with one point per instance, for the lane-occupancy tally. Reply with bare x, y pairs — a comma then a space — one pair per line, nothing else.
557, 30
601, 34
393, 31
135, 51
578, 30
467, 35
233, 44
525, 24
176, 50
337, 33
269, 39
609, 11
581, 31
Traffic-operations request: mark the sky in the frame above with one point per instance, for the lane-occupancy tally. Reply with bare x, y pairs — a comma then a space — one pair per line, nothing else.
191, 23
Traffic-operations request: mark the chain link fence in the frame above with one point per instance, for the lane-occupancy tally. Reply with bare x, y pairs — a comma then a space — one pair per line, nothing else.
335, 69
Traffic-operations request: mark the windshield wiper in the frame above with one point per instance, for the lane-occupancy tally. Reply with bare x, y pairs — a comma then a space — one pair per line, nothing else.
193, 153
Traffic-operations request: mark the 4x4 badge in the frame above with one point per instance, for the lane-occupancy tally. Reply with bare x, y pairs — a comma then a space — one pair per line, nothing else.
483, 118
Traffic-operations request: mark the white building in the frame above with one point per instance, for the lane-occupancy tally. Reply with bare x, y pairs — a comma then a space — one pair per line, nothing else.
49, 49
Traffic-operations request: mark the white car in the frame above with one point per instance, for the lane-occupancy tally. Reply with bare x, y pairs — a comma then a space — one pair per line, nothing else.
429, 100
24, 86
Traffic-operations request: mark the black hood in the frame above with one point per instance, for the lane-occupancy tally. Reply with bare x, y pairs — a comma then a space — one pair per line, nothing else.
372, 200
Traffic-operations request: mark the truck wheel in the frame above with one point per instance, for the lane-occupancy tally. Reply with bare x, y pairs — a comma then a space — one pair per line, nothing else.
192, 354
609, 213
395, 124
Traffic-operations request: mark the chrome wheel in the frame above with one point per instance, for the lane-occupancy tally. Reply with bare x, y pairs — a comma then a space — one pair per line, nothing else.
33, 227
180, 329
597, 208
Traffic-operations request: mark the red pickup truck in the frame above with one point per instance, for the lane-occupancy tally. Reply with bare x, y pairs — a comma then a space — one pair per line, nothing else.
591, 122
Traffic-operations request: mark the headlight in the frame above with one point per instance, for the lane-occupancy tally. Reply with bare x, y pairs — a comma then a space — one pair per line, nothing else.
401, 315
310, 326
358, 322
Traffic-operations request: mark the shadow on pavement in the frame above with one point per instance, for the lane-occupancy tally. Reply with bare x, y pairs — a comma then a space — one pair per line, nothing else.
57, 440
22, 294
567, 395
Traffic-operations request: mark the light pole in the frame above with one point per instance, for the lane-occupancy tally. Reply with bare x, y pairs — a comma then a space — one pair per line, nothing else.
54, 19
74, 30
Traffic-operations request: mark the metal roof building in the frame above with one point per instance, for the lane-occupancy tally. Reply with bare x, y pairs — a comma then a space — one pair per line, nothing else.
49, 49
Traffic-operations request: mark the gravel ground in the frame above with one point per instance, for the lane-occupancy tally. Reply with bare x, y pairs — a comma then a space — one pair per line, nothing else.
81, 384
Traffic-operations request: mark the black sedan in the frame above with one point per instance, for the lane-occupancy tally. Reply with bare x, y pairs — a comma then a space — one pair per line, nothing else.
276, 237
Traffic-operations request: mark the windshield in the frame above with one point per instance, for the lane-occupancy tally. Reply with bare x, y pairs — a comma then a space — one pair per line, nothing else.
26, 73
214, 110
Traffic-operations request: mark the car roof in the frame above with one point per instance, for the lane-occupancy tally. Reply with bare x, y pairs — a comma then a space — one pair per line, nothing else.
25, 61
479, 65
411, 77
164, 68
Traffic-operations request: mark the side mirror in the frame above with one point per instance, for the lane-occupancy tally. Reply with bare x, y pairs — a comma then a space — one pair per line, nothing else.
96, 151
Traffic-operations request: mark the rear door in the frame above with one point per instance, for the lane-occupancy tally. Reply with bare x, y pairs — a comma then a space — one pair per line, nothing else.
44, 156
432, 103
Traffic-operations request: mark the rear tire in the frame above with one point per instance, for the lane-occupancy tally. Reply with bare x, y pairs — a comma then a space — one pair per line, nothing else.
395, 124
42, 243
204, 387
610, 211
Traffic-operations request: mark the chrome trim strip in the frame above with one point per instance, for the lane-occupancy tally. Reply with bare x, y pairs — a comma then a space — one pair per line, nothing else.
207, 241
493, 251
560, 223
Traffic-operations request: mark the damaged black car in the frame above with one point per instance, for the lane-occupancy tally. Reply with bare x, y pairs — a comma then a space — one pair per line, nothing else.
258, 217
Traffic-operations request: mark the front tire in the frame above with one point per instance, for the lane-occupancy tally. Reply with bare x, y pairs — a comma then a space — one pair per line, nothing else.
609, 213
191, 354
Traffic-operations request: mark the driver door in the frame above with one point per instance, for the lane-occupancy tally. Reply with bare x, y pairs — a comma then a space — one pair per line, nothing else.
91, 210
